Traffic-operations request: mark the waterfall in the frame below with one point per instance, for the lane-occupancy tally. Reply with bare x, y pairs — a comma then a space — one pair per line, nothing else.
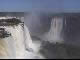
15, 46
28, 40
56, 28
35, 46
15, 41
54, 34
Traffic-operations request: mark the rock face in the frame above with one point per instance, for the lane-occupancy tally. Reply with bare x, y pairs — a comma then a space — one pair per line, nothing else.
72, 30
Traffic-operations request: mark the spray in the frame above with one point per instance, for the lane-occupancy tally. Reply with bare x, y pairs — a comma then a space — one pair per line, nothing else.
54, 34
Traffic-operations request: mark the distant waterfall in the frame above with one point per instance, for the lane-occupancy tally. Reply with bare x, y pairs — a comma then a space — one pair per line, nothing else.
54, 34
56, 28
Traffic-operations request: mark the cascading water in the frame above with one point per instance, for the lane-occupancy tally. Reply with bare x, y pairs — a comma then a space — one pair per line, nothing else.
56, 28
15, 41
14, 46
54, 34
35, 46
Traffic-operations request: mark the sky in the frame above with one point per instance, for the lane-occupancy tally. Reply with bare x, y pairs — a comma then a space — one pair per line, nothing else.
39, 5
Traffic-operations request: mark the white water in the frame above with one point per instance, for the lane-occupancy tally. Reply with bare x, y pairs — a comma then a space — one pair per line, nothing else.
54, 34
15, 45
15, 41
35, 45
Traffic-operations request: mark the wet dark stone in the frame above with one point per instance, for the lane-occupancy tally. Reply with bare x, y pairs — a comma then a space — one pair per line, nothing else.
9, 22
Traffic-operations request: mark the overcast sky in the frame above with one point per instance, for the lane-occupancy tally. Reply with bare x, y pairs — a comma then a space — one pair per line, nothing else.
39, 5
